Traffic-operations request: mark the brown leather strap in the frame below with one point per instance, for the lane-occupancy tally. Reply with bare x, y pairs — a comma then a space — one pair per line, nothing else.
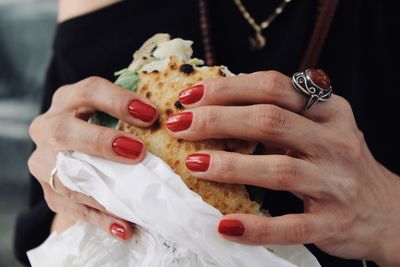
326, 12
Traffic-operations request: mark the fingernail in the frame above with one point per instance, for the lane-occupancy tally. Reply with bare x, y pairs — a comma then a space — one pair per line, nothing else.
127, 147
180, 122
198, 162
231, 227
118, 230
192, 94
141, 111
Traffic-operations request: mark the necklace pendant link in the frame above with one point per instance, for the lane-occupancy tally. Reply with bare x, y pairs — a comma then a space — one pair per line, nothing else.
258, 41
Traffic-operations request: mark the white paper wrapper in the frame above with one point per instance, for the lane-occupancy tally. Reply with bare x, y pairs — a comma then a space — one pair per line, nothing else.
175, 226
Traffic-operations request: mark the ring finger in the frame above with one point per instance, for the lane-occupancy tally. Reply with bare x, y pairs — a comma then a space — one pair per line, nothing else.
269, 87
264, 123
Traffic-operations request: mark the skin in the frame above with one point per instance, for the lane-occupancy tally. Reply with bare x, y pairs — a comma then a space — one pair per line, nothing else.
68, 9
70, 206
64, 127
351, 205
350, 199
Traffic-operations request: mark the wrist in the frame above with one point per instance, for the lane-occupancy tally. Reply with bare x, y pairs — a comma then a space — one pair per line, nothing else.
388, 260
386, 250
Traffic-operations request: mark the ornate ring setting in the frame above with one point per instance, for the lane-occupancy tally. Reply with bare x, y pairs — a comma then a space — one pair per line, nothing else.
314, 84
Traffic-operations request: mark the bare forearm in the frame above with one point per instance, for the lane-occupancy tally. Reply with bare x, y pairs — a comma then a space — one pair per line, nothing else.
388, 243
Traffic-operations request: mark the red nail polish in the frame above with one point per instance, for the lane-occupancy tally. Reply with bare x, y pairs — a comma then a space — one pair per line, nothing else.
231, 227
127, 147
192, 94
198, 162
141, 111
180, 122
118, 230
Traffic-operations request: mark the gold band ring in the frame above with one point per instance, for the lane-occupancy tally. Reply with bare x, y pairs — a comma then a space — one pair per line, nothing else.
51, 180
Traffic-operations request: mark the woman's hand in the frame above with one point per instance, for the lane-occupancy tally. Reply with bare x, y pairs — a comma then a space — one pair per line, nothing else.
351, 202
64, 127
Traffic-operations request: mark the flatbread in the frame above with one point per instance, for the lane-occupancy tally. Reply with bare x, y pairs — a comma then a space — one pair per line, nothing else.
162, 89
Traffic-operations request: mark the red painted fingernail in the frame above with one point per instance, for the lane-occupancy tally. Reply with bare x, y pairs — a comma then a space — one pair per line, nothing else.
118, 230
127, 147
198, 162
192, 94
180, 122
141, 111
231, 227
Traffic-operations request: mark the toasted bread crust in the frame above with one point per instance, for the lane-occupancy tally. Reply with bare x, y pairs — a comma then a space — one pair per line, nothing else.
162, 88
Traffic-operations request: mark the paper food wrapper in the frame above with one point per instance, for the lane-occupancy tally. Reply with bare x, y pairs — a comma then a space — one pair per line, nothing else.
175, 227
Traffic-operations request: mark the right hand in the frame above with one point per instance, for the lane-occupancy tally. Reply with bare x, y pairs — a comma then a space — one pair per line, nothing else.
64, 127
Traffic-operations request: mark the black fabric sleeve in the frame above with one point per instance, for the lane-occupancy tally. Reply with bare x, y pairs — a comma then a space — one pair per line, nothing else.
359, 55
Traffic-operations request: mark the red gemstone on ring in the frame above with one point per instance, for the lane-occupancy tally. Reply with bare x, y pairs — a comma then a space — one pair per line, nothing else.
320, 78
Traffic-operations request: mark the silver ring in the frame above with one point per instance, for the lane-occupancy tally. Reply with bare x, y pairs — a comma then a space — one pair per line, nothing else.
314, 84
51, 180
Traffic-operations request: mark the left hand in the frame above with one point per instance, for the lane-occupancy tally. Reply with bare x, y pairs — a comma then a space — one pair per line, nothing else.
351, 204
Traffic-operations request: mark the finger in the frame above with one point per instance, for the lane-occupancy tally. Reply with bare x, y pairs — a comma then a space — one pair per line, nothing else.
282, 230
77, 197
68, 133
39, 165
277, 172
100, 94
119, 228
265, 123
269, 87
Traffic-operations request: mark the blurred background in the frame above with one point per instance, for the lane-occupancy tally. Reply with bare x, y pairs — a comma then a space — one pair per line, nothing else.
26, 31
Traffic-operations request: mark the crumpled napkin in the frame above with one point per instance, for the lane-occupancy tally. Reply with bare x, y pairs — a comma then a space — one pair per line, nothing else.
175, 227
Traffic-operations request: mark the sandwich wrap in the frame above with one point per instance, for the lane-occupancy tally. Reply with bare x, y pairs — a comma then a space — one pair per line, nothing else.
166, 69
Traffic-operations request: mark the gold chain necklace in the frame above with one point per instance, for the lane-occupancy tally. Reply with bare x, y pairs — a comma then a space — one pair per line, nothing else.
258, 41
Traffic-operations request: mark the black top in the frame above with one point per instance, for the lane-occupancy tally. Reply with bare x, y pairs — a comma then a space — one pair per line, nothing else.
359, 56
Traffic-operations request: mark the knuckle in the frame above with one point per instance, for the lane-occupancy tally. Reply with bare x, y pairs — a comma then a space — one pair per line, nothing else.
35, 127
59, 94
99, 141
83, 213
350, 148
49, 198
216, 85
86, 88
59, 133
348, 190
269, 82
262, 231
33, 163
207, 119
344, 224
283, 174
356, 149
68, 194
269, 119
343, 104
223, 165
117, 101
298, 233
